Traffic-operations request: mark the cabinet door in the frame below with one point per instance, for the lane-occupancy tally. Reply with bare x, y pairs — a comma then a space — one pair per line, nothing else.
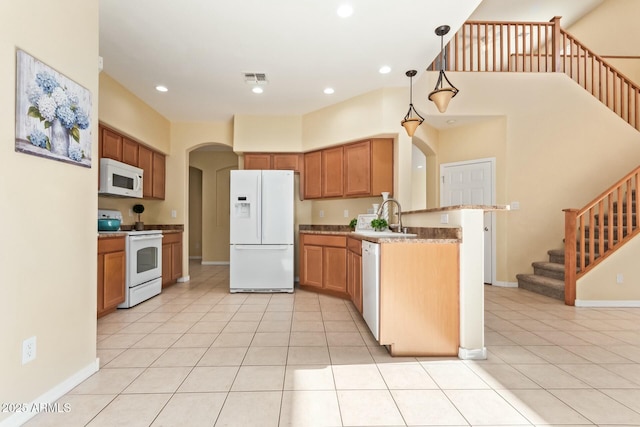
312, 266
100, 284
334, 269
286, 161
257, 161
145, 162
357, 169
381, 166
350, 282
114, 278
313, 175
167, 264
158, 175
356, 267
130, 152
111, 145
176, 260
332, 172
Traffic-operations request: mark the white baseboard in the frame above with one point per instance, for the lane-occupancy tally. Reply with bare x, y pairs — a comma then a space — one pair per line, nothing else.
505, 284
607, 303
214, 263
472, 353
19, 418
184, 279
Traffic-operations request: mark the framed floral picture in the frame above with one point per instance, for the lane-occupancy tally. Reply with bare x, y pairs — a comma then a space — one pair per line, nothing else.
53, 113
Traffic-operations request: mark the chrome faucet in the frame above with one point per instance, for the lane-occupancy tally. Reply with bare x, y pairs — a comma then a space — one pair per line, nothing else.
392, 226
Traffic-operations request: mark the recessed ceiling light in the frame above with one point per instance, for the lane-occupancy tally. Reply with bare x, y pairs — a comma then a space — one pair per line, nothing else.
420, 166
450, 121
384, 69
161, 88
257, 89
345, 11
329, 91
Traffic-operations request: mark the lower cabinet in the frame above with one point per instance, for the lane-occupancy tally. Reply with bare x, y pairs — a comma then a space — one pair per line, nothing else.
323, 263
354, 272
111, 274
171, 258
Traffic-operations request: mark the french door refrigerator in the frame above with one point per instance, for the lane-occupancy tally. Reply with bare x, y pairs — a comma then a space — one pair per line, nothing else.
261, 231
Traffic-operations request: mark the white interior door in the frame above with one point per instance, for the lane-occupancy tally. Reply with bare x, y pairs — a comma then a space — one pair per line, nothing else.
472, 183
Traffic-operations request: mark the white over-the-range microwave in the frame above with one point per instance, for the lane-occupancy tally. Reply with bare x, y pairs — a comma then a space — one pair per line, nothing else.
120, 179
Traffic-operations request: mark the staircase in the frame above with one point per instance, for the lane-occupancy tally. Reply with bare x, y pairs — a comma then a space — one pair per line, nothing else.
549, 277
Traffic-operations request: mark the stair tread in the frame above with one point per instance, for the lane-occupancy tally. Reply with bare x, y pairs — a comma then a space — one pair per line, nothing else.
542, 280
548, 265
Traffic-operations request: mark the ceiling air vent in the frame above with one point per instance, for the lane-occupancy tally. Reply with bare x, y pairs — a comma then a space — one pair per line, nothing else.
255, 78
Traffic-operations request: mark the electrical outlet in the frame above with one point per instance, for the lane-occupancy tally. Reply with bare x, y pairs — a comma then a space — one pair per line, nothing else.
346, 213
321, 213
444, 218
28, 350
174, 213
130, 212
619, 278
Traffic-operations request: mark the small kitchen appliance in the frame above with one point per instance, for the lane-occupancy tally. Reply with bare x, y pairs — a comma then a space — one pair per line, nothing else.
143, 253
120, 179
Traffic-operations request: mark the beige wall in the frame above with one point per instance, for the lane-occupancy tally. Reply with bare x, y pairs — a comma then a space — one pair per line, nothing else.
48, 249
215, 167
272, 133
195, 212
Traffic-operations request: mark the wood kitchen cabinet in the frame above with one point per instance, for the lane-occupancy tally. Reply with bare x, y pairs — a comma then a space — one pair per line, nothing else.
111, 274
323, 263
153, 165
359, 169
368, 167
277, 161
171, 258
419, 298
313, 175
354, 272
110, 144
115, 146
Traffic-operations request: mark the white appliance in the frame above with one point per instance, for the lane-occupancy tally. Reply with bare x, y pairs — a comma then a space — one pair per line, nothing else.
371, 286
143, 253
120, 179
261, 235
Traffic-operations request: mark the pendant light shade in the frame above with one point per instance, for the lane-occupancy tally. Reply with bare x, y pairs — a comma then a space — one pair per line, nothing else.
409, 122
441, 94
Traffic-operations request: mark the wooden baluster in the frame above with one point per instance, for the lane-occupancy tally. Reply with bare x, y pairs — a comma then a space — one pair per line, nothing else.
556, 44
618, 215
601, 248
629, 226
610, 237
464, 47
570, 256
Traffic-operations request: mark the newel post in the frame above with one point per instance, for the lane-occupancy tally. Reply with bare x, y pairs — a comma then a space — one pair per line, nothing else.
555, 45
570, 244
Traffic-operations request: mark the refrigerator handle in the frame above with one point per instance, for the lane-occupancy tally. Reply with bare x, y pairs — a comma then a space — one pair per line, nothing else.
259, 207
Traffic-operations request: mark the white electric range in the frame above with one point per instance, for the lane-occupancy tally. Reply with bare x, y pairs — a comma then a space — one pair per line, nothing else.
143, 253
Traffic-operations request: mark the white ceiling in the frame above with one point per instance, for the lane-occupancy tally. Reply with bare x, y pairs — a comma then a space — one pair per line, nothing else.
200, 49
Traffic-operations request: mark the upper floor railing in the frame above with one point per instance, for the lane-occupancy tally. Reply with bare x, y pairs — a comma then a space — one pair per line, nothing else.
541, 47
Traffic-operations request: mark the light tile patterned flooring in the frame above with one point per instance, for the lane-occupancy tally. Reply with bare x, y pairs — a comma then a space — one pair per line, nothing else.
199, 356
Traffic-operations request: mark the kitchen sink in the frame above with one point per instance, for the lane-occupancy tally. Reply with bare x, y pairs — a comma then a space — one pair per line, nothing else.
382, 234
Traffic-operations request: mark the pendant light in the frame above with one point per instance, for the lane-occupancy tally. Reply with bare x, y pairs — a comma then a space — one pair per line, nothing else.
409, 122
441, 95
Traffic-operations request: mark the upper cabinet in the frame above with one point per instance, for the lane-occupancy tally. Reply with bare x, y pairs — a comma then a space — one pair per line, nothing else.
280, 161
118, 147
359, 169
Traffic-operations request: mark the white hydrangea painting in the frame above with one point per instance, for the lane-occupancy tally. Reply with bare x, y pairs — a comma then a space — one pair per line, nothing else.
53, 113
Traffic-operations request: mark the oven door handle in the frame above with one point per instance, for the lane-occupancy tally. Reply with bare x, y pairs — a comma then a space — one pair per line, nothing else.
149, 237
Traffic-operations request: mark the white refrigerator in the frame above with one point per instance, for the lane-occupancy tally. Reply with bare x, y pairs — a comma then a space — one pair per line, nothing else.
261, 235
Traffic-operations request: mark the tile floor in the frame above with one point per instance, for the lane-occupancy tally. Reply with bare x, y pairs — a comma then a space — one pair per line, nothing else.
199, 356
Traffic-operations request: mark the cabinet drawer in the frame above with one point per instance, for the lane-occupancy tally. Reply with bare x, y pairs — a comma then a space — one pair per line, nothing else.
324, 240
171, 238
113, 244
354, 245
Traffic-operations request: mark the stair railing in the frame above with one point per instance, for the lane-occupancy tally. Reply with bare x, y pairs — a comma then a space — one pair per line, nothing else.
598, 229
541, 47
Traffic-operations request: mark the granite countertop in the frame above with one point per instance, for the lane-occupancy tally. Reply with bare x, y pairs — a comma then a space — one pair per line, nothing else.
166, 229
424, 234
460, 207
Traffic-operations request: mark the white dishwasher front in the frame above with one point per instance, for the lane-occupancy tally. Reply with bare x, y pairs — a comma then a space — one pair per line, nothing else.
371, 286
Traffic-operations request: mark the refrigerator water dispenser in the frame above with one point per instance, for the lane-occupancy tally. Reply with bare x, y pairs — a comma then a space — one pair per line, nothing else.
243, 207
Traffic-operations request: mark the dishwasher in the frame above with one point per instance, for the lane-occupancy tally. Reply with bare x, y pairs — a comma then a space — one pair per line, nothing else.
371, 286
